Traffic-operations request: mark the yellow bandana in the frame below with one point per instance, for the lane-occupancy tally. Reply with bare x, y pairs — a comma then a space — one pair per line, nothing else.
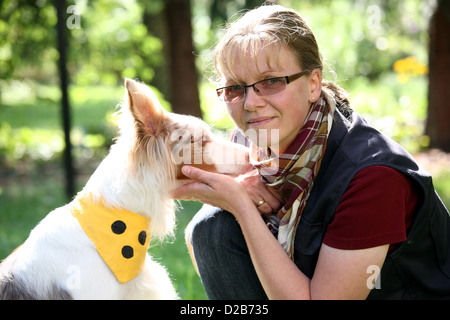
121, 237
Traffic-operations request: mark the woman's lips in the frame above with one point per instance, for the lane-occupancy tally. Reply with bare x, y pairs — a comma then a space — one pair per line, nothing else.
259, 121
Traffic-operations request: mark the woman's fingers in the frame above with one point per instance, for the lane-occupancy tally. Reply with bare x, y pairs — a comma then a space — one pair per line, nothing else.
265, 200
213, 188
199, 185
220, 190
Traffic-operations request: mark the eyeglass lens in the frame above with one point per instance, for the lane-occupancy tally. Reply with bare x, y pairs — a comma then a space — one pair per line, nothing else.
262, 88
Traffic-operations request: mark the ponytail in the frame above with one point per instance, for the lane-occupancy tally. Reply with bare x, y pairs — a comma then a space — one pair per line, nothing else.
340, 96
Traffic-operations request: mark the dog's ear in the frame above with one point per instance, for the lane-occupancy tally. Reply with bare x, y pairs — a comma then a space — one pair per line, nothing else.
145, 107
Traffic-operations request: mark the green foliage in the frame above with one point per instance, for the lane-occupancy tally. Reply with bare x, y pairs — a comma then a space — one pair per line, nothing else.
365, 37
30, 125
24, 142
399, 112
26, 27
112, 43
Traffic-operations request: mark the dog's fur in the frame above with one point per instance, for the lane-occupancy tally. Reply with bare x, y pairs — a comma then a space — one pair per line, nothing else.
59, 261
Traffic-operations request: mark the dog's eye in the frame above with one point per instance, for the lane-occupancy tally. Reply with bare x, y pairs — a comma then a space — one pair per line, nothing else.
194, 140
202, 140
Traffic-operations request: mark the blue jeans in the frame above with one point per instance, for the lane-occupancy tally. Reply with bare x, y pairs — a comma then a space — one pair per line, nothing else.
222, 256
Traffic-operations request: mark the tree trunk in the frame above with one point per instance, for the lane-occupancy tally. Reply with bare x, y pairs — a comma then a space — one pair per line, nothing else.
438, 120
64, 83
184, 95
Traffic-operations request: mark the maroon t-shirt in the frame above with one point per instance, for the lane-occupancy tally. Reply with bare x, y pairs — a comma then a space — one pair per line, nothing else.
377, 209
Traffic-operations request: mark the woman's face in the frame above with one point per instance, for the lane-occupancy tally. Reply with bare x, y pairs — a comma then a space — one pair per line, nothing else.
281, 114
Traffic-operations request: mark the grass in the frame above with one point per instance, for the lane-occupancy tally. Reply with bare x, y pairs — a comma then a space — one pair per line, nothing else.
24, 201
173, 254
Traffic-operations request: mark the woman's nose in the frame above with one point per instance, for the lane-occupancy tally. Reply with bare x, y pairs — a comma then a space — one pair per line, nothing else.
252, 99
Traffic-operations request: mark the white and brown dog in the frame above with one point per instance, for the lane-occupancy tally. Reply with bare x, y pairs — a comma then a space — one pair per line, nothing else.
95, 247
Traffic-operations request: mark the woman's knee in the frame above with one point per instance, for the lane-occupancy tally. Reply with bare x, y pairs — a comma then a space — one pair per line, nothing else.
221, 256
213, 229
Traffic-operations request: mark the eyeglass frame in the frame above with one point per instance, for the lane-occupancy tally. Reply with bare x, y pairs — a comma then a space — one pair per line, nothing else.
288, 80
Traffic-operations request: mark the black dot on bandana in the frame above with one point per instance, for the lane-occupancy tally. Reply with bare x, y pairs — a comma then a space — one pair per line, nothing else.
118, 227
127, 252
142, 237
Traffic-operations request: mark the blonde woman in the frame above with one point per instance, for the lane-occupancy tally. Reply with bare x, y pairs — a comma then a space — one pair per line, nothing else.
334, 209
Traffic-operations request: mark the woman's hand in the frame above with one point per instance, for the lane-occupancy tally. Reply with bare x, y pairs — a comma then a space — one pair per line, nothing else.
270, 201
213, 188
224, 191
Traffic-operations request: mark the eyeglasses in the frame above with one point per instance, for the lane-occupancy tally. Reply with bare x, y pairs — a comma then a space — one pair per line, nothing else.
266, 87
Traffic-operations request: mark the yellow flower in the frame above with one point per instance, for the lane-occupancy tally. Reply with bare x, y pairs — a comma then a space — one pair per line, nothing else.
409, 67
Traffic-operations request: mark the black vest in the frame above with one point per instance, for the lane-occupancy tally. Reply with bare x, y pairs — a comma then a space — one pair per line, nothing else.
420, 267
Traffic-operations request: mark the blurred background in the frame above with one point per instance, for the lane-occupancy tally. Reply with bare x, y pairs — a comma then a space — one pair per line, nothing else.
391, 56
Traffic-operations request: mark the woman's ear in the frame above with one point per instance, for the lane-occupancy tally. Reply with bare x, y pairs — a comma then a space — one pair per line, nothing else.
315, 84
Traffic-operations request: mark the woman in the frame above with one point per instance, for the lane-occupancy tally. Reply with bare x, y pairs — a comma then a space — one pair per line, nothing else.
332, 204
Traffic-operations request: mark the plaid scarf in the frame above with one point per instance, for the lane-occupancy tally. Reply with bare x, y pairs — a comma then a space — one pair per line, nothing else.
293, 173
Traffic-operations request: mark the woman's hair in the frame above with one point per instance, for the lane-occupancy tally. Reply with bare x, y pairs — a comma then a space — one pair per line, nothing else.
272, 26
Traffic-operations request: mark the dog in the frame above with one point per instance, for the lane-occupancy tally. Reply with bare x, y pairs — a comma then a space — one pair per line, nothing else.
96, 246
